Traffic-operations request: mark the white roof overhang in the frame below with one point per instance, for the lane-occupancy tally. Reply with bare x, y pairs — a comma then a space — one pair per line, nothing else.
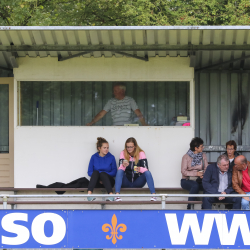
223, 46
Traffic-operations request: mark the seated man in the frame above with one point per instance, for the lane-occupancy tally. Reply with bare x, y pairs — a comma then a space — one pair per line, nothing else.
218, 180
241, 179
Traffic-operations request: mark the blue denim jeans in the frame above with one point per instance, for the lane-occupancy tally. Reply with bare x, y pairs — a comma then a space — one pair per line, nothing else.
208, 201
193, 187
245, 204
122, 181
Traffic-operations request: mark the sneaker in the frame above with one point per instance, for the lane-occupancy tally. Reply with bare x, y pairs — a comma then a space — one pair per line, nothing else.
153, 199
109, 198
118, 199
91, 198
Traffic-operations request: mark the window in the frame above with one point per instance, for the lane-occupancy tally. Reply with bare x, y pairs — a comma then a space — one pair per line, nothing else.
4, 118
77, 103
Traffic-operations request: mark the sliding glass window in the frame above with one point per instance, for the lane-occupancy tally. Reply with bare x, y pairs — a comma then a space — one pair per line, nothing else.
77, 103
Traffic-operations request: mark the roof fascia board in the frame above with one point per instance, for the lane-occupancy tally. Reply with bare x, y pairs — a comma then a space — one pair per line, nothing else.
124, 28
90, 48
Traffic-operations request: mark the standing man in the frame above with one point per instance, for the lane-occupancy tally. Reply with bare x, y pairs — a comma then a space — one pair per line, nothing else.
218, 180
121, 108
241, 179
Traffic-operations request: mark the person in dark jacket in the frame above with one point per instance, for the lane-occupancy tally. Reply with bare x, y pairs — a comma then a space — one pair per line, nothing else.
102, 169
231, 147
218, 180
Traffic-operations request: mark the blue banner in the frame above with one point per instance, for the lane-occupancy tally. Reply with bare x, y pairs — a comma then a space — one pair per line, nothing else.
124, 229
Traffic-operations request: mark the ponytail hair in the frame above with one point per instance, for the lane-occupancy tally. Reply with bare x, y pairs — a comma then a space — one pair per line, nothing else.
100, 141
137, 149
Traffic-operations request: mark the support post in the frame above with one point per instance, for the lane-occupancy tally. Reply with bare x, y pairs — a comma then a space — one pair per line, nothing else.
5, 199
14, 206
103, 198
163, 200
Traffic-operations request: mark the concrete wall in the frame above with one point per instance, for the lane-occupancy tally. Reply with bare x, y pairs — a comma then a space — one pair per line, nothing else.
48, 154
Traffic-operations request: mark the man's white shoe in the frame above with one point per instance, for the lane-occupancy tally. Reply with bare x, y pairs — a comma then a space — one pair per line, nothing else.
153, 199
118, 199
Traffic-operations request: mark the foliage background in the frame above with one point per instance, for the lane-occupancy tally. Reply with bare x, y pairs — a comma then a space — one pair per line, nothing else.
124, 12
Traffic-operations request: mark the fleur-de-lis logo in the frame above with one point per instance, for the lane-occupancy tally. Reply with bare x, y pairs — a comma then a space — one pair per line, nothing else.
114, 229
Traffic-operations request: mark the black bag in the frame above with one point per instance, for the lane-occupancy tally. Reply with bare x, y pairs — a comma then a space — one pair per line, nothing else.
199, 180
78, 183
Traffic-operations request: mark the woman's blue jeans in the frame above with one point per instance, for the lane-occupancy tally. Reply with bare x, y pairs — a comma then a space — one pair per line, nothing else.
193, 187
245, 204
121, 180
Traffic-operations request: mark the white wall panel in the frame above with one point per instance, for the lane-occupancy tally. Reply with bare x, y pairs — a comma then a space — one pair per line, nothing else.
44, 155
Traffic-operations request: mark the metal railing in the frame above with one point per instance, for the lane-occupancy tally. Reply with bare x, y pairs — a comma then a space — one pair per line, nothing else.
162, 196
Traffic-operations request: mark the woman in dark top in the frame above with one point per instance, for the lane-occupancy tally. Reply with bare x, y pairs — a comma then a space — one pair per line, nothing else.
231, 147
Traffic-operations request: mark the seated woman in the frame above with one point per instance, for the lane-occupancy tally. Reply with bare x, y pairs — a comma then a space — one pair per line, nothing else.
133, 171
194, 164
102, 169
231, 147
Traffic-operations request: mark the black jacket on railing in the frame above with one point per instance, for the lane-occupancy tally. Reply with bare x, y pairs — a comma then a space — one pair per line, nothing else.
211, 180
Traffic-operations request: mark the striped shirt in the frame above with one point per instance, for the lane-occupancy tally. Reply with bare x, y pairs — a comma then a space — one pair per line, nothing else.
121, 110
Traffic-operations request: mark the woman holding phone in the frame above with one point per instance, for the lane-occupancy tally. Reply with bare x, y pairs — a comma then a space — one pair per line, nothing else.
133, 169
193, 166
102, 169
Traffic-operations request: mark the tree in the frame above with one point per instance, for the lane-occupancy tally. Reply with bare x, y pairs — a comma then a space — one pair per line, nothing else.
124, 12
213, 12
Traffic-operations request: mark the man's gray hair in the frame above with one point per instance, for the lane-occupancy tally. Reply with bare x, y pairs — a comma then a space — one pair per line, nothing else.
121, 85
222, 157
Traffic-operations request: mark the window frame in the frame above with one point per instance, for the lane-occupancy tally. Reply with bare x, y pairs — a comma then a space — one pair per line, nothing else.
191, 101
